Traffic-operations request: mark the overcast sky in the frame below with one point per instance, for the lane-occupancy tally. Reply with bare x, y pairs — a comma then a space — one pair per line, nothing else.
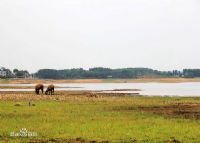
60, 34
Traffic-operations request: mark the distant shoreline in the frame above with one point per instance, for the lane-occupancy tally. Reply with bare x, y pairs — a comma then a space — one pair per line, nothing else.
139, 80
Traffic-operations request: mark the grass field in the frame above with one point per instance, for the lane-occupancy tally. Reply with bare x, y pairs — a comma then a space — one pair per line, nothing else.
80, 116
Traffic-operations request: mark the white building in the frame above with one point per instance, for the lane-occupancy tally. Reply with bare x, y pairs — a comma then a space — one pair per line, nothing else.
3, 73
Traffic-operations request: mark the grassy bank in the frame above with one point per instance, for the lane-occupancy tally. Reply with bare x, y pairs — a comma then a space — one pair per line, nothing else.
80, 116
139, 80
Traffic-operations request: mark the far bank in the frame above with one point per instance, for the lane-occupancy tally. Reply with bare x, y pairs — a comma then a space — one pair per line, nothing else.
138, 80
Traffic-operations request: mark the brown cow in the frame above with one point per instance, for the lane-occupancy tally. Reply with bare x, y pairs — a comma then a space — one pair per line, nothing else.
39, 87
50, 90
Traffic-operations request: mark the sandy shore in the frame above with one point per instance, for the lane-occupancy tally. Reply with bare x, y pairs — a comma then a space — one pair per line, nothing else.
140, 80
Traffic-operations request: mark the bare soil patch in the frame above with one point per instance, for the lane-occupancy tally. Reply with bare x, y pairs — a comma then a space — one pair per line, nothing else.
59, 140
187, 111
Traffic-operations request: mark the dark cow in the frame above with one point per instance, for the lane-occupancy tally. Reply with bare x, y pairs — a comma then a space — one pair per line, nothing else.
50, 90
39, 87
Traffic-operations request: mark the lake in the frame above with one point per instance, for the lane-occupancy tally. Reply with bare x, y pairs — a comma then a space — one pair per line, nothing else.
157, 89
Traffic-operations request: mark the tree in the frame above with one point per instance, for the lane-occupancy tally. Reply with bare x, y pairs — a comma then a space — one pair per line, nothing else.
21, 73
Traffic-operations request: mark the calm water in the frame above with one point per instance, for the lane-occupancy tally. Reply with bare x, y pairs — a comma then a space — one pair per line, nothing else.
161, 89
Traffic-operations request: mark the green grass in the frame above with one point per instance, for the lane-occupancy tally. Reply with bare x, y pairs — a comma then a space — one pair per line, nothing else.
110, 118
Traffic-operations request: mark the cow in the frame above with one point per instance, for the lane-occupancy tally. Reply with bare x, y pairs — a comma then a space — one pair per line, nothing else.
39, 87
50, 90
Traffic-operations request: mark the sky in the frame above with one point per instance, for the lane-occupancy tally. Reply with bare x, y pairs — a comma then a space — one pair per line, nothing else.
62, 34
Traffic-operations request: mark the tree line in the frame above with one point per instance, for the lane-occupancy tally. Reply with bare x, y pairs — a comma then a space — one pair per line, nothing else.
100, 72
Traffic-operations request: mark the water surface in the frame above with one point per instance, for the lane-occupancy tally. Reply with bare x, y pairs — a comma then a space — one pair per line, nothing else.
160, 89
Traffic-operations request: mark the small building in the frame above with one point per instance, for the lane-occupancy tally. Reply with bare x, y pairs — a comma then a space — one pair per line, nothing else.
3, 73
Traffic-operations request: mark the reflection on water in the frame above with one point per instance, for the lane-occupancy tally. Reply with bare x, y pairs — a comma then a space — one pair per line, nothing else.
168, 89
